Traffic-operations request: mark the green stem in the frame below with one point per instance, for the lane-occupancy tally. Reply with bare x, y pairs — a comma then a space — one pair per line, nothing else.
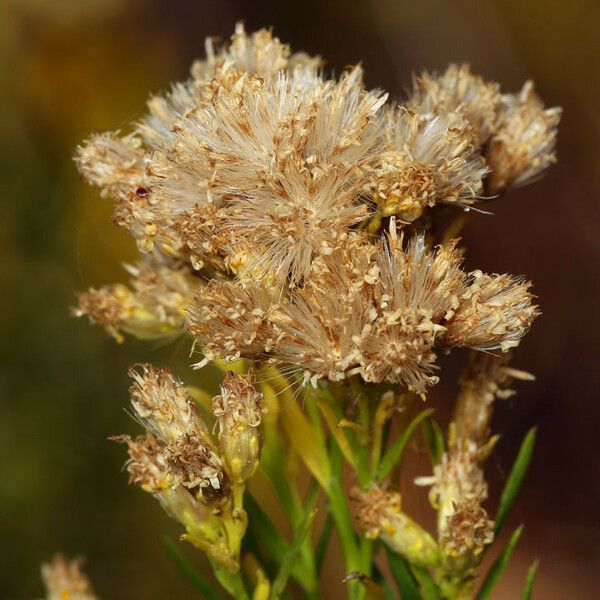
340, 513
232, 582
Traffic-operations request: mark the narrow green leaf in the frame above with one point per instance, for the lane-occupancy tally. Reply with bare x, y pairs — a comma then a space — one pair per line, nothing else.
323, 542
289, 558
266, 532
496, 570
434, 439
262, 534
428, 588
200, 583
529, 581
394, 454
515, 479
407, 586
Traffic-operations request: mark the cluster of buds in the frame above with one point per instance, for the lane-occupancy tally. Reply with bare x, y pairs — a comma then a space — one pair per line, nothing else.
65, 580
178, 461
458, 486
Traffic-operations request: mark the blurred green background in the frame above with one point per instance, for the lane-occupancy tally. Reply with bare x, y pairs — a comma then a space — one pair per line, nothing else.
68, 67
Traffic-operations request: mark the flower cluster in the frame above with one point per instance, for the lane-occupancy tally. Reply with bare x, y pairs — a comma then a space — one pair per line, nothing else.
179, 462
284, 216
294, 222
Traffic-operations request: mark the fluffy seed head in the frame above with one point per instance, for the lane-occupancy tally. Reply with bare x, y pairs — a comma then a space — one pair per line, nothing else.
429, 159
494, 312
524, 143
457, 89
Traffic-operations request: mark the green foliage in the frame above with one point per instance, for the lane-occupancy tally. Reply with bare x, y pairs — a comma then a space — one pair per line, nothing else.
198, 581
434, 439
393, 457
515, 478
529, 581
496, 570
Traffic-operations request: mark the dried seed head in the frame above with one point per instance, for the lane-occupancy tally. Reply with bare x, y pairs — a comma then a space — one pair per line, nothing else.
468, 531
457, 89
259, 52
239, 411
147, 465
379, 513
430, 159
197, 467
65, 580
163, 404
112, 163
456, 479
524, 143
495, 312
152, 307
231, 321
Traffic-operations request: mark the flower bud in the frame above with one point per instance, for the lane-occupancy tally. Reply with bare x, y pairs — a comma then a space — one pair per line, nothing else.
380, 514
239, 411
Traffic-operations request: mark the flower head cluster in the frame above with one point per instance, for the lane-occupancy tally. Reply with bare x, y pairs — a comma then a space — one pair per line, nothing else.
377, 310
284, 214
177, 459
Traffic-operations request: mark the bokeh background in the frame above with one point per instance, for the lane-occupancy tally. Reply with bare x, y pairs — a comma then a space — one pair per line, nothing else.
68, 67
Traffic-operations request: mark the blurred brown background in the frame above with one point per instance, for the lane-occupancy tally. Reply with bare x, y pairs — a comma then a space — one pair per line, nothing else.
70, 66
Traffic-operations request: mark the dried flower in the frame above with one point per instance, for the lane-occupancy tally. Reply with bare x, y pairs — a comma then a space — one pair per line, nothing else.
429, 159
379, 513
378, 311
494, 312
65, 580
196, 466
239, 409
152, 467
523, 145
147, 465
457, 478
152, 307
468, 530
231, 321
457, 89
163, 404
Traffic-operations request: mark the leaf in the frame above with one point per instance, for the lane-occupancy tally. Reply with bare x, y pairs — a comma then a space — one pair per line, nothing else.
434, 438
428, 588
496, 570
323, 542
297, 427
334, 424
200, 583
263, 533
529, 581
515, 478
394, 454
289, 558
407, 586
